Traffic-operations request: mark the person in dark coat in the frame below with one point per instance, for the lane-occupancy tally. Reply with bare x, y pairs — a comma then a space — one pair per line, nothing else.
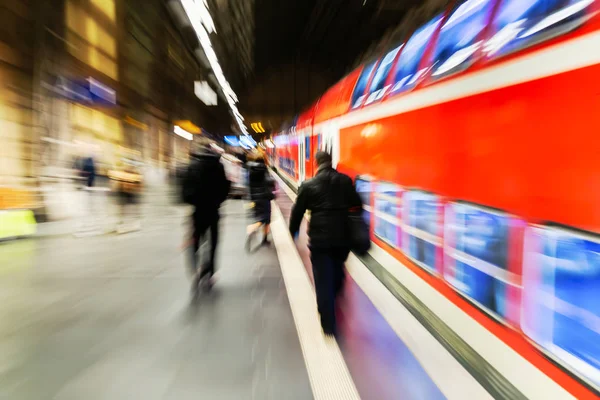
88, 171
260, 187
329, 196
205, 187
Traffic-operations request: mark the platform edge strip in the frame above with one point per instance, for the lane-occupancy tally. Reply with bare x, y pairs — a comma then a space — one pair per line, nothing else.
487, 375
328, 373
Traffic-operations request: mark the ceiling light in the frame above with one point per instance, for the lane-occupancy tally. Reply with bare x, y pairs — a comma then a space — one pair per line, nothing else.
199, 16
183, 133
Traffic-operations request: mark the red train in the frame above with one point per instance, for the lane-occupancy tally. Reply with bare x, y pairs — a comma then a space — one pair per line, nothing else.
476, 147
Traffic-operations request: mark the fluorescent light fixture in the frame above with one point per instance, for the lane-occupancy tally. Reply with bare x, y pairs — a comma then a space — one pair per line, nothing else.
183, 133
199, 16
247, 142
232, 140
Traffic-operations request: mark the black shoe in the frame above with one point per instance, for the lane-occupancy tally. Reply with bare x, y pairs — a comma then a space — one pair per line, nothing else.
330, 331
266, 241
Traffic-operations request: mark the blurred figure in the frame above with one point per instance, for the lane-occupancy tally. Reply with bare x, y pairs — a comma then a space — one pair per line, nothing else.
261, 189
329, 196
205, 187
234, 170
86, 168
127, 181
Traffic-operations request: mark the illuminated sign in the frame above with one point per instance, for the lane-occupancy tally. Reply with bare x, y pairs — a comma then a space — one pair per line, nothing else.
244, 141
247, 142
102, 92
232, 140
205, 93
90, 91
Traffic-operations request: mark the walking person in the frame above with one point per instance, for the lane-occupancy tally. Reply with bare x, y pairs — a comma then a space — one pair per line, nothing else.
205, 187
330, 196
261, 188
90, 223
88, 171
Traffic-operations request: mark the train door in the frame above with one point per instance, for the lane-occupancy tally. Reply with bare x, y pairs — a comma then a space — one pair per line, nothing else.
307, 156
315, 146
301, 157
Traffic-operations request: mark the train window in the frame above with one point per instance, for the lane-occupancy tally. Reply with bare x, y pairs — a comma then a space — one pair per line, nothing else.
359, 91
364, 187
407, 74
522, 23
377, 89
388, 209
307, 148
422, 229
477, 255
560, 309
459, 35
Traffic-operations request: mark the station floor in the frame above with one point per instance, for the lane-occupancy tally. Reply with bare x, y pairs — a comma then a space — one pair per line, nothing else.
111, 317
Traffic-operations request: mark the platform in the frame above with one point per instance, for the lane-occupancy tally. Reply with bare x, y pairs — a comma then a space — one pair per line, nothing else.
111, 317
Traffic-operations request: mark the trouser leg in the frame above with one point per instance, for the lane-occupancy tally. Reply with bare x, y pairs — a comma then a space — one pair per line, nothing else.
199, 233
325, 283
214, 241
339, 258
194, 252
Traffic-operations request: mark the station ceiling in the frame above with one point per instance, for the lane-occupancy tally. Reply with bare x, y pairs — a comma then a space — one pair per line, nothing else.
280, 55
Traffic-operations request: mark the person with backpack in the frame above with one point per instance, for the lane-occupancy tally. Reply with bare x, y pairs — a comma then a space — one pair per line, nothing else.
205, 187
331, 198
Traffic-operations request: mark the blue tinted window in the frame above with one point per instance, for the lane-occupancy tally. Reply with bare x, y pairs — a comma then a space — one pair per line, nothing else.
359, 91
307, 148
423, 214
484, 236
364, 188
561, 277
458, 36
391, 203
388, 208
407, 73
520, 23
377, 89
